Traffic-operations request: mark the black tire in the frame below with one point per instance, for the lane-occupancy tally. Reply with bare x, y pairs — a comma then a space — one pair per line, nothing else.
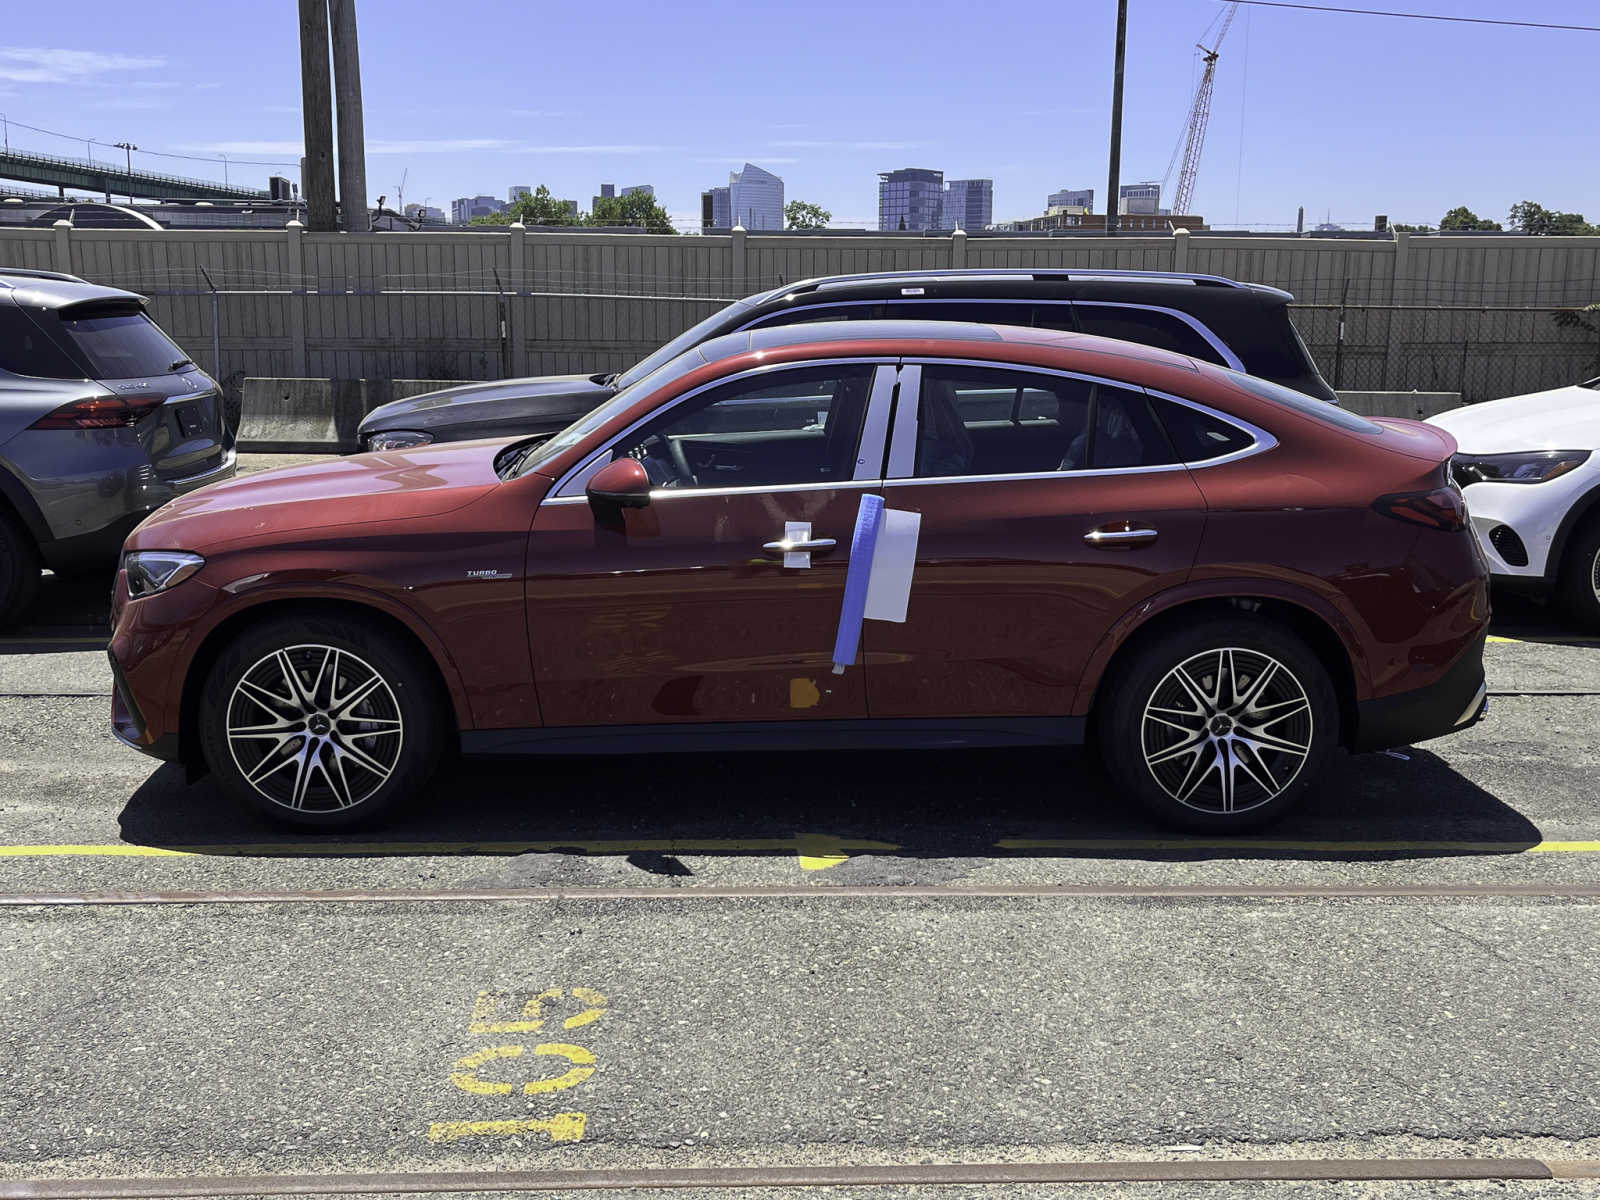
1130, 735
335, 657
19, 569
1579, 584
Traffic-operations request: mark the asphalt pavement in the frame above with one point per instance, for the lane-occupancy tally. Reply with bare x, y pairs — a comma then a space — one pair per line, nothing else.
903, 977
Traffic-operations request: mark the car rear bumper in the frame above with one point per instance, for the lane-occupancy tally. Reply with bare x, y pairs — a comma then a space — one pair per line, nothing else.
1456, 700
84, 481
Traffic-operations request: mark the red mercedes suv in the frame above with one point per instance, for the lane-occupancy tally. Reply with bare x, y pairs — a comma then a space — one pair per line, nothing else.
852, 534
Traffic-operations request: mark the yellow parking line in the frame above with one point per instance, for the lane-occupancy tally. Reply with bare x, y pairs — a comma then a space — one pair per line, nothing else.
45, 639
1245, 846
807, 847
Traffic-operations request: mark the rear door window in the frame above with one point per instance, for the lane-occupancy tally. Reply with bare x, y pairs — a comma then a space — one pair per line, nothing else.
978, 420
815, 313
1148, 327
25, 350
981, 312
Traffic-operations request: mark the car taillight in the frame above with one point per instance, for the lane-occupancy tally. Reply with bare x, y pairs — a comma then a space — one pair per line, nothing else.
100, 412
1442, 508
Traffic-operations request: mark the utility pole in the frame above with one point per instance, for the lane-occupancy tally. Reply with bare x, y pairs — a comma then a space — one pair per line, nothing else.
353, 214
130, 148
1114, 187
316, 107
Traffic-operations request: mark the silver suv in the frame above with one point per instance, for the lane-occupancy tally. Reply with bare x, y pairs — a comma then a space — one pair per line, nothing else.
102, 420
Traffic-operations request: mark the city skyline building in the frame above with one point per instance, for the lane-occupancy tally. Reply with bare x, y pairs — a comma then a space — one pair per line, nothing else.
968, 204
465, 208
517, 191
911, 198
1139, 198
1071, 198
755, 198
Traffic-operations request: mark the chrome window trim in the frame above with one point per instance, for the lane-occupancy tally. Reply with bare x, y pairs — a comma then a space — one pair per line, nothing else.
563, 490
755, 489
1229, 358
1261, 440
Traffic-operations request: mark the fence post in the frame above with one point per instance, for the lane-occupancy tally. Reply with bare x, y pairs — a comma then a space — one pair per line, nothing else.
1338, 345
216, 328
518, 304
740, 278
958, 249
1400, 290
63, 245
298, 300
1180, 249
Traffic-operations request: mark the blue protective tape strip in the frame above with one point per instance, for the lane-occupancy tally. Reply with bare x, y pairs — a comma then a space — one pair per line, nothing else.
862, 545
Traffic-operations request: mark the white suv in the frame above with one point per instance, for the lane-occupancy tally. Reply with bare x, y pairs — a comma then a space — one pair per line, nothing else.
1529, 467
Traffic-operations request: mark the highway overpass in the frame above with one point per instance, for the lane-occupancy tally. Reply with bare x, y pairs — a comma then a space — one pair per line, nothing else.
110, 179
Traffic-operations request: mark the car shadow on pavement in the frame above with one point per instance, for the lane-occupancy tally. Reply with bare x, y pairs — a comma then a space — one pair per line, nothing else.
928, 805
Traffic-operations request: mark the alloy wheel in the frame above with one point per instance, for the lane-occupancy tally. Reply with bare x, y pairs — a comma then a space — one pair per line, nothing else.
1227, 730
1594, 575
314, 728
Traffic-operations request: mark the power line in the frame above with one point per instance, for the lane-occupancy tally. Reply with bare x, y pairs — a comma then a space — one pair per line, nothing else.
254, 162
1414, 16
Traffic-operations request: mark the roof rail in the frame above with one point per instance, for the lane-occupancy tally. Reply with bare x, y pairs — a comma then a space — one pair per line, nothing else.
32, 273
1065, 273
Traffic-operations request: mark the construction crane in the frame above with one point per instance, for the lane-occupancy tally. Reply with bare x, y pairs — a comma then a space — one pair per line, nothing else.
1194, 137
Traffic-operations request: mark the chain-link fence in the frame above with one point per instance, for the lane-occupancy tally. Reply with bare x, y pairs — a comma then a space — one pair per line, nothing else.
1482, 353
1483, 317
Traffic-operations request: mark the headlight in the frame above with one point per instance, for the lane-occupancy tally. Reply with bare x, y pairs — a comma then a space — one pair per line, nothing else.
1530, 466
397, 439
152, 571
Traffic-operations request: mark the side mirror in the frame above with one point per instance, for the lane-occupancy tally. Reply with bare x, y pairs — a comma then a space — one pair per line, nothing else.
623, 483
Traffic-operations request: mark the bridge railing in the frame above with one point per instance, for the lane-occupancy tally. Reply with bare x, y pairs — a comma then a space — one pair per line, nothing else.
112, 171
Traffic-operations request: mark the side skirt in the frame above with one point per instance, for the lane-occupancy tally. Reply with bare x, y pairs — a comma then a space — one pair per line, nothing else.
884, 733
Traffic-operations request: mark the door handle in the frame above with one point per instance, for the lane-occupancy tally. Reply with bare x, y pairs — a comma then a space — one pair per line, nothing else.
786, 546
1125, 538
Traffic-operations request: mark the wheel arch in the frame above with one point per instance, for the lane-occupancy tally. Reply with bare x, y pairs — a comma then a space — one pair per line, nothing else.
1324, 630
1586, 509
220, 635
14, 498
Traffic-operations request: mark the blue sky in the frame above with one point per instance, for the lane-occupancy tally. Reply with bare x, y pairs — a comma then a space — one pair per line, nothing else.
1347, 115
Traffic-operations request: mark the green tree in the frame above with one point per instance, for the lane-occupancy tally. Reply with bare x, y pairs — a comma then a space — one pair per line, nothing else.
797, 214
1399, 228
539, 208
1537, 219
1463, 217
636, 209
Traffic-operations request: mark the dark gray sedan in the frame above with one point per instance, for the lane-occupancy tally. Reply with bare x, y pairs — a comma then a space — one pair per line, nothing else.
1244, 326
102, 420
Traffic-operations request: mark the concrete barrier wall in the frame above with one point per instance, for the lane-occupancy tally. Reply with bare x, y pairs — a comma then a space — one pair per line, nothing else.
1415, 405
1461, 313
304, 416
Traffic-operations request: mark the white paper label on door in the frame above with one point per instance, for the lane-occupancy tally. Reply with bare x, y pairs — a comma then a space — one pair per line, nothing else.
893, 562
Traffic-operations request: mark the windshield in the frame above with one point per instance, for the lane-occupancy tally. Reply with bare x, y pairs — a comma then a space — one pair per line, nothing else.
692, 336
620, 403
